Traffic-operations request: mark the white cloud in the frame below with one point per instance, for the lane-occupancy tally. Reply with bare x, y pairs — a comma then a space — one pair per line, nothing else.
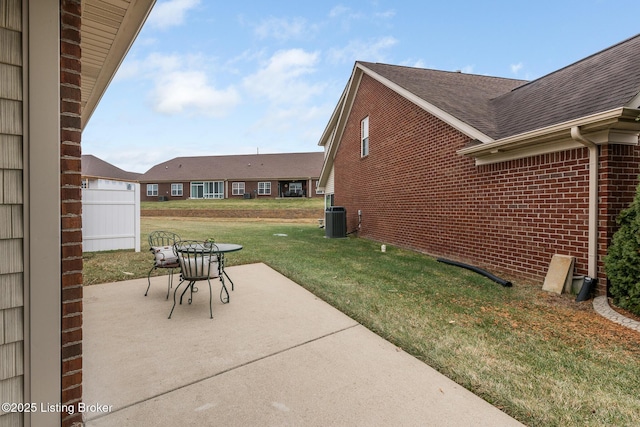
146, 68
348, 15
170, 13
133, 159
338, 11
181, 84
358, 50
189, 91
515, 68
416, 63
282, 29
281, 79
386, 14
299, 120
467, 69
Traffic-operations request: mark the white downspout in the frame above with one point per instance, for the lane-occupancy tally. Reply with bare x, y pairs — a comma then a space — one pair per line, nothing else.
593, 198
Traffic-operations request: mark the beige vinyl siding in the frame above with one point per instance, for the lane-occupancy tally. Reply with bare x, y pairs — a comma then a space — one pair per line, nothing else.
11, 209
329, 187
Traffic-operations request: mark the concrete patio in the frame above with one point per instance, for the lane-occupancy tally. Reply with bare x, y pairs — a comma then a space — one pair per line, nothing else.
276, 355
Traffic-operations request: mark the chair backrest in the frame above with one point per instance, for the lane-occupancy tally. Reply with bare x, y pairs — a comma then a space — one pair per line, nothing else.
161, 244
198, 260
163, 238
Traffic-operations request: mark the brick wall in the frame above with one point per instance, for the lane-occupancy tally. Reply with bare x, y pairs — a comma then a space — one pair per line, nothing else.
619, 169
414, 191
71, 206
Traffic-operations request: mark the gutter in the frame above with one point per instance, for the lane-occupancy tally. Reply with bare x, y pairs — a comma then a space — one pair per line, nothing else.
550, 133
577, 136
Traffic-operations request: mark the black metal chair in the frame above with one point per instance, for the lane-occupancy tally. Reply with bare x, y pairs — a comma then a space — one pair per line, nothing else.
161, 244
199, 261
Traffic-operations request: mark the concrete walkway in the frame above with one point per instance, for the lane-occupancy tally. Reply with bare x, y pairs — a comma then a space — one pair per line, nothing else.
276, 355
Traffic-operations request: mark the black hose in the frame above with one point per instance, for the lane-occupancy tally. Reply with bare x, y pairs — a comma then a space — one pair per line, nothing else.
496, 279
587, 287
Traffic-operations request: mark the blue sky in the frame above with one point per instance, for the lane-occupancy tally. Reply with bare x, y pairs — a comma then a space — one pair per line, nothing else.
238, 77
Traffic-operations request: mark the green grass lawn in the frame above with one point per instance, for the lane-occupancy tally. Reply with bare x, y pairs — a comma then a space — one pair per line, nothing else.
544, 359
316, 204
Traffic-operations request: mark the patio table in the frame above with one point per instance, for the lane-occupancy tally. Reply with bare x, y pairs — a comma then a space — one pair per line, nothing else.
220, 249
195, 260
224, 248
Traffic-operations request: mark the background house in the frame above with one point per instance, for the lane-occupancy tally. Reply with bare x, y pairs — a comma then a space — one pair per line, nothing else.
238, 176
98, 174
495, 172
57, 60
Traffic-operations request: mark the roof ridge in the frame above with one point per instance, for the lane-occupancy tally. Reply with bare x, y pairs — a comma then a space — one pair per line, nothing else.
600, 52
445, 71
242, 155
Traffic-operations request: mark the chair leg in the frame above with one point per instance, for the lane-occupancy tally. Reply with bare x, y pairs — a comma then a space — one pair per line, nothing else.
210, 297
174, 298
149, 279
188, 288
170, 282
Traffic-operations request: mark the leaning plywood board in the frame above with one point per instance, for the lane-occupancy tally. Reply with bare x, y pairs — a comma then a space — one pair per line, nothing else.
560, 274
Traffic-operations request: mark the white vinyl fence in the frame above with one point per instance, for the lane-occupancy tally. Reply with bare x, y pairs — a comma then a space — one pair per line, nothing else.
110, 219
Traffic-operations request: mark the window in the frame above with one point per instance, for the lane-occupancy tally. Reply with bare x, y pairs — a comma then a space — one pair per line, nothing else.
207, 190
264, 188
237, 188
364, 135
176, 189
295, 188
152, 190
328, 200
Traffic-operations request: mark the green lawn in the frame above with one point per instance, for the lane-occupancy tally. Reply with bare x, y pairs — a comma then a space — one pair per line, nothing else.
545, 360
316, 204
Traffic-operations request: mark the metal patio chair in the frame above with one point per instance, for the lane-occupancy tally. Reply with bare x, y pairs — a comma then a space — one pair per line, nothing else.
199, 261
161, 244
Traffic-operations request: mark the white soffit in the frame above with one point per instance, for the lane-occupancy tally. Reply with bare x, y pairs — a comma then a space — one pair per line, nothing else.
108, 30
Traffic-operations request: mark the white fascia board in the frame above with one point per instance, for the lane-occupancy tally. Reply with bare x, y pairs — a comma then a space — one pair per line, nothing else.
635, 102
333, 132
430, 108
534, 142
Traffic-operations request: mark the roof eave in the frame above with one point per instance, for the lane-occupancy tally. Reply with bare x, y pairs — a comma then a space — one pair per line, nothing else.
97, 77
623, 122
333, 133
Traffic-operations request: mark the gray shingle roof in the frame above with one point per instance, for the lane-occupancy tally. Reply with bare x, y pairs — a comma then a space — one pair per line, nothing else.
95, 167
601, 82
501, 107
464, 96
238, 167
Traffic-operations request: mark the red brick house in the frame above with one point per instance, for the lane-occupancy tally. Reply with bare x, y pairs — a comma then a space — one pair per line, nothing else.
58, 57
237, 176
499, 173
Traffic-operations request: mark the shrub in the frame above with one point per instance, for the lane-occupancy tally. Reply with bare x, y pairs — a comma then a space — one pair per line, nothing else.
622, 263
